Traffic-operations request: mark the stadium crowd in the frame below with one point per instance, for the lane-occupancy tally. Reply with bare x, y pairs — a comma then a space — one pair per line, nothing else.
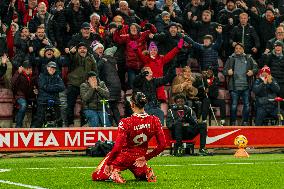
210, 53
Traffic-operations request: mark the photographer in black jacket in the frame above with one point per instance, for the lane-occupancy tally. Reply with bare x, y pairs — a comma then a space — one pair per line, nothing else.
145, 83
182, 122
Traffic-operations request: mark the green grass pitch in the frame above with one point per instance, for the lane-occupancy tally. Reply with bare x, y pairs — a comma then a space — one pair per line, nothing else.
220, 171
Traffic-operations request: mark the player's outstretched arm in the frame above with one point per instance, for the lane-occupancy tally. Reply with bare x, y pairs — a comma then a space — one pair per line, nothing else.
120, 140
161, 141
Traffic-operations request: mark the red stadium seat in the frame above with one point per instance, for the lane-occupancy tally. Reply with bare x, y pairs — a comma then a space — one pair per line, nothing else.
6, 104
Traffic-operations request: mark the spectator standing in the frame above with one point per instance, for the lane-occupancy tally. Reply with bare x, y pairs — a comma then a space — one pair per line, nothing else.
60, 28
149, 11
167, 41
210, 96
228, 17
279, 35
175, 12
157, 62
81, 62
266, 24
85, 36
96, 26
162, 21
24, 85
129, 16
275, 61
208, 50
27, 12
93, 92
245, 33
77, 13
43, 18
102, 10
38, 42
203, 27
21, 41
107, 68
14, 27
240, 69
133, 40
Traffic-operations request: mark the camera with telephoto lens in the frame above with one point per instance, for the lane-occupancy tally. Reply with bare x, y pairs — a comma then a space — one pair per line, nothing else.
176, 107
145, 73
50, 114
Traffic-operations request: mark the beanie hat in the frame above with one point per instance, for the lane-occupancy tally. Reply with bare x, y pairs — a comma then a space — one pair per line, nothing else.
112, 25
239, 44
265, 69
97, 45
270, 9
110, 51
91, 74
152, 45
81, 44
51, 64
278, 43
27, 64
171, 24
164, 13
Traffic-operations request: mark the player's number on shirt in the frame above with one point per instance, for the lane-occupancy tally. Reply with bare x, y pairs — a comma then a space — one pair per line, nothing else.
140, 139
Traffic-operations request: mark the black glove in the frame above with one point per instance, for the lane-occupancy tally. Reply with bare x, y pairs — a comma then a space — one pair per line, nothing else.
119, 27
145, 73
179, 34
148, 26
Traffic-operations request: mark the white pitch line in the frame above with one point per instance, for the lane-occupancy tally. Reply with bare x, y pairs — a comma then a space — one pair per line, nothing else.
240, 163
79, 167
168, 165
41, 168
204, 164
4, 170
20, 184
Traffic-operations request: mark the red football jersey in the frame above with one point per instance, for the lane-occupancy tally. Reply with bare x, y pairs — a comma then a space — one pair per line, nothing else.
135, 132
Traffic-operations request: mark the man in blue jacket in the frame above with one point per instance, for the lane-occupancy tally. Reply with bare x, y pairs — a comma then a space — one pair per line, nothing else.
50, 84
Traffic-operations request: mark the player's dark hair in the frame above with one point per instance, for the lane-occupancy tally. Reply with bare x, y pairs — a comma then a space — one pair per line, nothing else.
139, 99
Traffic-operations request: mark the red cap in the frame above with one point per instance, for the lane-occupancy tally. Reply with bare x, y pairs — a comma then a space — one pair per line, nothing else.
264, 69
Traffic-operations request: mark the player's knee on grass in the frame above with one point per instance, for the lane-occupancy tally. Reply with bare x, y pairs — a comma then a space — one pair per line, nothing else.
139, 172
99, 175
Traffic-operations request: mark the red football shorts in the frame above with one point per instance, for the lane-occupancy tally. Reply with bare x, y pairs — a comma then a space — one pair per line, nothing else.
123, 161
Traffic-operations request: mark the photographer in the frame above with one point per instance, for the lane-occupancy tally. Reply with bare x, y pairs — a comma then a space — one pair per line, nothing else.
145, 83
50, 85
182, 122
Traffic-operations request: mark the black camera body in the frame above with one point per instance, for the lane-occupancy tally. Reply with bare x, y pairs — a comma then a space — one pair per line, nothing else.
145, 74
50, 114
